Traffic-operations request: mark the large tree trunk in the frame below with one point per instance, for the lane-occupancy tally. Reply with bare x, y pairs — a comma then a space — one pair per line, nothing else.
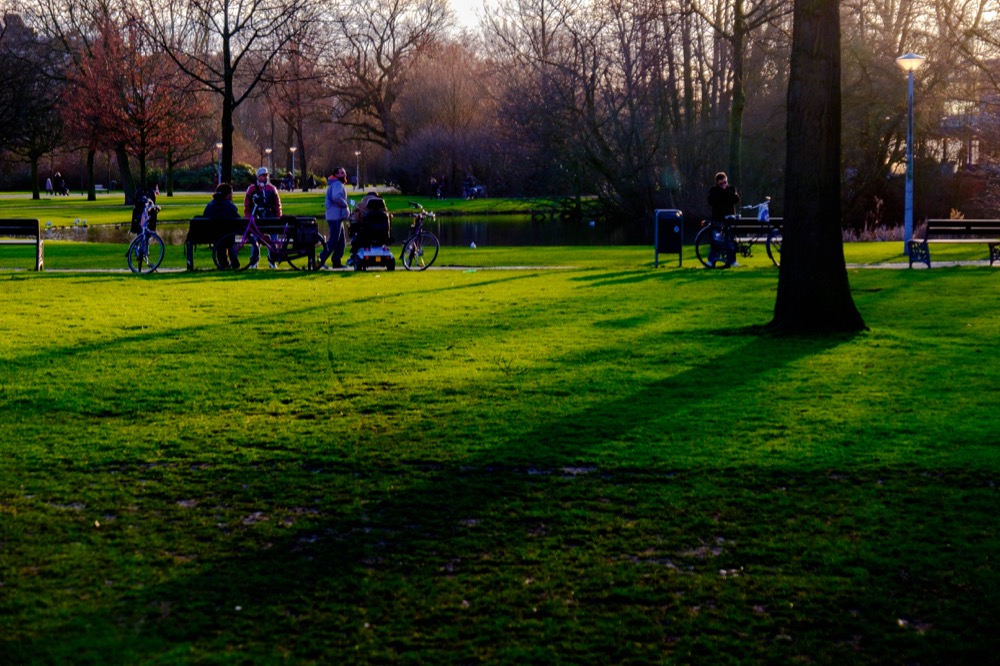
91, 192
169, 185
128, 182
35, 193
737, 42
813, 292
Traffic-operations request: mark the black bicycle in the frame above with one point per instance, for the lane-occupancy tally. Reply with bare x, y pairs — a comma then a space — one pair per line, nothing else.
420, 248
719, 241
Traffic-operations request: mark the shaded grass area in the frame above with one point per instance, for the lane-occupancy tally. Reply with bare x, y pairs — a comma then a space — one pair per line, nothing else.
578, 466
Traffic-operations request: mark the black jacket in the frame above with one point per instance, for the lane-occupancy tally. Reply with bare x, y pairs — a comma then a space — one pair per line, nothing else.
723, 201
221, 209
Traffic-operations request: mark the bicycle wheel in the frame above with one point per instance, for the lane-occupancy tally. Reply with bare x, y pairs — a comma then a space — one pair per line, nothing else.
145, 253
703, 246
230, 252
774, 245
420, 251
304, 260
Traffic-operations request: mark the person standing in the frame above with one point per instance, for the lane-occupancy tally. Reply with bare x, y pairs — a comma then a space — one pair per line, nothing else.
337, 211
268, 205
48, 186
723, 198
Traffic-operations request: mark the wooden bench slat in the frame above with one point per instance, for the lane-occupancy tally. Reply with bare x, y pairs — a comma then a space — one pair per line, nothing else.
24, 227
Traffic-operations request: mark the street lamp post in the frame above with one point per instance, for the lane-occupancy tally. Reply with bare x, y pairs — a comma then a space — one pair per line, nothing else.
292, 149
909, 63
357, 169
218, 146
269, 167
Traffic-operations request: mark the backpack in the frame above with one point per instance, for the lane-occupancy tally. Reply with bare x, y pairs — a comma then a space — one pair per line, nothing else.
261, 200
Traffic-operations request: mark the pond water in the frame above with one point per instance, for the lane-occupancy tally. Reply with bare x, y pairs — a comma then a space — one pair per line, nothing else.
485, 230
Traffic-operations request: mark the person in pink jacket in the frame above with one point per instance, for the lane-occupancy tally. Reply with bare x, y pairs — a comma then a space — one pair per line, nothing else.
268, 197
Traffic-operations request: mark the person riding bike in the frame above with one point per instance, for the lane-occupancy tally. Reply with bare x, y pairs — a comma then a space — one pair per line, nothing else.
723, 198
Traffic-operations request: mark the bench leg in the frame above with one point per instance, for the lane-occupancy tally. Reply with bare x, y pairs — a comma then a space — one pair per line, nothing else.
919, 251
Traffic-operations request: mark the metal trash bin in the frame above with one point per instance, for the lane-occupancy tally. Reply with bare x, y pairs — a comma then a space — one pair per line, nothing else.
668, 234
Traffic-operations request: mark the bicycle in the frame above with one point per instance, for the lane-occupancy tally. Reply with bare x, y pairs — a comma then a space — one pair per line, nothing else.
283, 247
721, 239
145, 254
420, 248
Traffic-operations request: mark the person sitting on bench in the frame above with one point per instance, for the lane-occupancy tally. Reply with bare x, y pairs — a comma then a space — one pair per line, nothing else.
221, 207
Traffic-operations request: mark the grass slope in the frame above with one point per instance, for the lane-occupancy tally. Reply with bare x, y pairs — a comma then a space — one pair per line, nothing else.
601, 464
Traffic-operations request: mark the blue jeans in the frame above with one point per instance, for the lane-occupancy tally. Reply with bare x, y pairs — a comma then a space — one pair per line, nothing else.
335, 243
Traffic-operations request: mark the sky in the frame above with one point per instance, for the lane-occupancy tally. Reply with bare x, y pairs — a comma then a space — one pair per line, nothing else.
466, 12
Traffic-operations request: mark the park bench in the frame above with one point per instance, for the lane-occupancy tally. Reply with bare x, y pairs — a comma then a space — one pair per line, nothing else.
750, 229
206, 231
99, 188
956, 231
24, 232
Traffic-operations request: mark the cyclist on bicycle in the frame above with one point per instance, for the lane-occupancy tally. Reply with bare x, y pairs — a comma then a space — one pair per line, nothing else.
723, 198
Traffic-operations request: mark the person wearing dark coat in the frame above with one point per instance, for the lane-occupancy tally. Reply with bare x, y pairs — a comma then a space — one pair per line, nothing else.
221, 207
723, 198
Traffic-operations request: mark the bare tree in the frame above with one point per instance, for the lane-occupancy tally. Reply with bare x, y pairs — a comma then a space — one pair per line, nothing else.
450, 118
227, 46
30, 126
376, 48
300, 95
813, 291
734, 21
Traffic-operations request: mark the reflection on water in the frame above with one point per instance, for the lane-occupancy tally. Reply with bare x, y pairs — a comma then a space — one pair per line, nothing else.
484, 231
523, 230
172, 234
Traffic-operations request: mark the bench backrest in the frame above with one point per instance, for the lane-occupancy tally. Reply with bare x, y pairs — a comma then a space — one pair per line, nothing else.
963, 228
208, 230
21, 228
752, 224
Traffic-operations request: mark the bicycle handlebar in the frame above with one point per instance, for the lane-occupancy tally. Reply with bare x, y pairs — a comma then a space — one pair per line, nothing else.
765, 202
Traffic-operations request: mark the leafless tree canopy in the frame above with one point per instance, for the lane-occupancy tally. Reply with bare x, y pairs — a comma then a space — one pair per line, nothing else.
634, 102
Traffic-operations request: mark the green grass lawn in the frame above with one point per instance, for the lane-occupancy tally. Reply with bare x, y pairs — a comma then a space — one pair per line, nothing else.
605, 463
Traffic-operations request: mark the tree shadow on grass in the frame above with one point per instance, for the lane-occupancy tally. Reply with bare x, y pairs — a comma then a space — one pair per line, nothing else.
385, 572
